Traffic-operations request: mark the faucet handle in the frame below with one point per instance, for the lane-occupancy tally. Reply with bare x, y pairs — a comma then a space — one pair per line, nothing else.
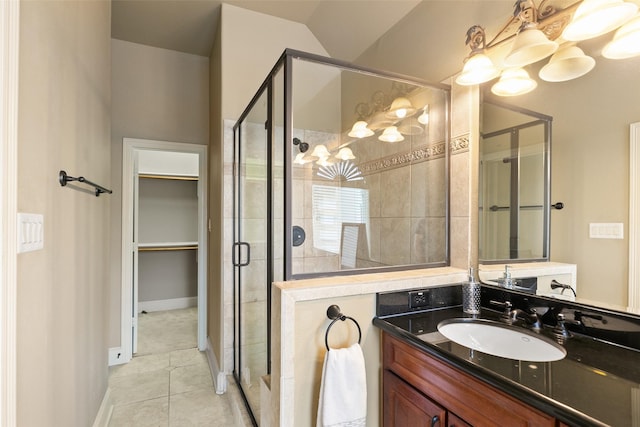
560, 330
506, 315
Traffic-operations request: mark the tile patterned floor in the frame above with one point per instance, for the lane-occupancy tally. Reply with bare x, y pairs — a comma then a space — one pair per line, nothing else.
168, 382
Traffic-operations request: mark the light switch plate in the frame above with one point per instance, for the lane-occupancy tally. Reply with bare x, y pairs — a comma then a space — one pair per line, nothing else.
30, 232
606, 230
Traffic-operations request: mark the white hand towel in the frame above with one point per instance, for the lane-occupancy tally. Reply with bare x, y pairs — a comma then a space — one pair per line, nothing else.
343, 390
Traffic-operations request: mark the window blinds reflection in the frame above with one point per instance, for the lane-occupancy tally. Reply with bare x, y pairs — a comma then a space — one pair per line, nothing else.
333, 207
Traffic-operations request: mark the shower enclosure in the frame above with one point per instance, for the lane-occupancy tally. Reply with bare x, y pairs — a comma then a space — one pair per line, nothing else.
337, 170
514, 184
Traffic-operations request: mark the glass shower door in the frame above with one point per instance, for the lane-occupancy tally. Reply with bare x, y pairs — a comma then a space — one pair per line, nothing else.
251, 210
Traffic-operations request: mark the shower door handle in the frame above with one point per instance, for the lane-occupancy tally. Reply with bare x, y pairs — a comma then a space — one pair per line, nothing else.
237, 249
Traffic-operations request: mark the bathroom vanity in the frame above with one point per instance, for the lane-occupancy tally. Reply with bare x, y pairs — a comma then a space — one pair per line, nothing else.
429, 378
419, 386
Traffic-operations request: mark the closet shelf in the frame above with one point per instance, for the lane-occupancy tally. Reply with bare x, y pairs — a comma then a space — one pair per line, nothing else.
167, 246
174, 177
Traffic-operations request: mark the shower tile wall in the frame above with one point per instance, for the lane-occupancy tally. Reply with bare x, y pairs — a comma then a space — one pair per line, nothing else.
306, 257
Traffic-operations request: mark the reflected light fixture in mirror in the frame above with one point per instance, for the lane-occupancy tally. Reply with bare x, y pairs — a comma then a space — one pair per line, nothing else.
360, 129
596, 17
423, 118
345, 153
478, 67
513, 82
324, 161
568, 63
626, 42
391, 134
300, 159
400, 108
320, 151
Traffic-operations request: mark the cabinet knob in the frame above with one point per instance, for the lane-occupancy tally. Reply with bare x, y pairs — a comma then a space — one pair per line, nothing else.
435, 420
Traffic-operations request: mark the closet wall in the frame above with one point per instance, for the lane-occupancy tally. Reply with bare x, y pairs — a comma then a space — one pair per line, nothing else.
167, 230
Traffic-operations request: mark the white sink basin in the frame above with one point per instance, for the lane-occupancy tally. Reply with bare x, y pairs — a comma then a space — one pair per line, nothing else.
501, 340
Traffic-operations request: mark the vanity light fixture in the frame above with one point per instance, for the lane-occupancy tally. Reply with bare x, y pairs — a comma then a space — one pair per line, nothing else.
478, 67
530, 45
400, 108
539, 31
514, 81
596, 17
626, 41
568, 63
391, 134
360, 129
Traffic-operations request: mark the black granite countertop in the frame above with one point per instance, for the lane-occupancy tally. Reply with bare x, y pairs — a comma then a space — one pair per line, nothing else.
596, 384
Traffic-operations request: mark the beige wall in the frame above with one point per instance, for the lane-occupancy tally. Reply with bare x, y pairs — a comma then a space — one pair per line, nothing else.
157, 94
64, 123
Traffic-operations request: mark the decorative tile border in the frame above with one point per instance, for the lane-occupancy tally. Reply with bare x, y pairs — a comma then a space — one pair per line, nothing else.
422, 153
459, 144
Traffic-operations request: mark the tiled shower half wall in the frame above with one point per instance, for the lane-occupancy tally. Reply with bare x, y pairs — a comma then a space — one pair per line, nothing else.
363, 202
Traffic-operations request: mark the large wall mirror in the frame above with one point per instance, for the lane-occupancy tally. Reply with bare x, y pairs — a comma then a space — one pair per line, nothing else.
589, 159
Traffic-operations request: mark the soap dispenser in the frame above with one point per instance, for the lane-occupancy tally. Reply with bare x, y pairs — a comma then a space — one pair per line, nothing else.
507, 281
471, 295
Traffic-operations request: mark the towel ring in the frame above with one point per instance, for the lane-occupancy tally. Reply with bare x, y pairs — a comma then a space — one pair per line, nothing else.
333, 312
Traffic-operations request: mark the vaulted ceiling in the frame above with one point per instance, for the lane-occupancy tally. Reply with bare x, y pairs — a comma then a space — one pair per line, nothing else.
189, 26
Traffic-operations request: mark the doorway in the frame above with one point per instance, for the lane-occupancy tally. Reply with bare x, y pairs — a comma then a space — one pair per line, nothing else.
161, 168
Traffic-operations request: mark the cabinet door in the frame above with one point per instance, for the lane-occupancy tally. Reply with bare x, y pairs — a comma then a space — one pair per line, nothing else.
404, 406
453, 421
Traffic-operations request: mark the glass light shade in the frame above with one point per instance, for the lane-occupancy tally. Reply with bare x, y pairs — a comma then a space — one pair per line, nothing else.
320, 151
345, 154
626, 42
514, 81
423, 118
391, 134
360, 130
300, 160
323, 161
477, 69
400, 108
596, 17
568, 63
529, 46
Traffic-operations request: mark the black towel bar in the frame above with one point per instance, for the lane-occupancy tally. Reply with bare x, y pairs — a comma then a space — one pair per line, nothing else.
333, 313
63, 178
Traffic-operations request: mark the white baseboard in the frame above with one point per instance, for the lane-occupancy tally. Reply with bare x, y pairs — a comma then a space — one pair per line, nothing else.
167, 304
117, 357
219, 377
106, 409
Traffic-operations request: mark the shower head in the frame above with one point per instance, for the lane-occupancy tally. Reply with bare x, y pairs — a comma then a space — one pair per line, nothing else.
302, 146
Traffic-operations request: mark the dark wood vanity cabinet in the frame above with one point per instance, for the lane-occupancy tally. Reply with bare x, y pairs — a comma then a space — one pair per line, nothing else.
405, 406
418, 387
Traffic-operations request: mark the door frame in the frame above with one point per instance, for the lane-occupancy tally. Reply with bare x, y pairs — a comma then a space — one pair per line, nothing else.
129, 148
9, 72
634, 218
